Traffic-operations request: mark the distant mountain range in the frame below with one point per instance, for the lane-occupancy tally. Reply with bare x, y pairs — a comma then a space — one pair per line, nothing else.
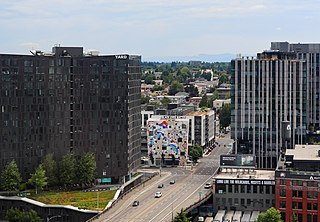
226, 57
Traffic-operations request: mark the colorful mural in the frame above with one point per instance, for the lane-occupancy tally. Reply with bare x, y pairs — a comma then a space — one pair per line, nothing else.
167, 137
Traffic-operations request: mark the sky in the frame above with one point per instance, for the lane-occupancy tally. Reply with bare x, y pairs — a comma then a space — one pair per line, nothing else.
157, 28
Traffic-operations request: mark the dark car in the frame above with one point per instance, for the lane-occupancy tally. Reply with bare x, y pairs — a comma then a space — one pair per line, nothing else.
160, 185
172, 182
135, 203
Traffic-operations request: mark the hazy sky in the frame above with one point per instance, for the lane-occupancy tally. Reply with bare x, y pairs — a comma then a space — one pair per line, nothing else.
157, 28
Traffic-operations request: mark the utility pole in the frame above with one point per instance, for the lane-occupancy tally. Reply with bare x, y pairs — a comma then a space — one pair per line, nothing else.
97, 199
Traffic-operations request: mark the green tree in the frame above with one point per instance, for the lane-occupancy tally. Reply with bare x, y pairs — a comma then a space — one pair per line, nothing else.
294, 218
207, 76
204, 101
10, 177
192, 90
157, 88
165, 101
215, 95
225, 116
87, 168
195, 152
50, 166
38, 179
182, 217
68, 169
224, 78
145, 99
272, 215
16, 215
183, 74
149, 79
175, 87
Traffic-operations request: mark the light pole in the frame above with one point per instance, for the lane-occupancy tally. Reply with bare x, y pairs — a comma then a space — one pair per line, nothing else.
50, 218
97, 199
160, 166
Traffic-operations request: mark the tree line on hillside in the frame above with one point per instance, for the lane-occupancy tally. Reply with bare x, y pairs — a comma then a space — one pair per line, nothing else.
49, 173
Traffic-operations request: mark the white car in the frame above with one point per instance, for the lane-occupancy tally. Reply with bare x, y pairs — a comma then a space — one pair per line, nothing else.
158, 194
207, 186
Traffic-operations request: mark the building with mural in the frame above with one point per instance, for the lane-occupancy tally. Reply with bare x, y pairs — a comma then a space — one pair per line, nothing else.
167, 139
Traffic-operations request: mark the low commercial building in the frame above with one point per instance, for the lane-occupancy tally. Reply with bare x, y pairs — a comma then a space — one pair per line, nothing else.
297, 183
239, 186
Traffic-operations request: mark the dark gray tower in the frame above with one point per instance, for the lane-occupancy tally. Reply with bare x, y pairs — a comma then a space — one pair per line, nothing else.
68, 101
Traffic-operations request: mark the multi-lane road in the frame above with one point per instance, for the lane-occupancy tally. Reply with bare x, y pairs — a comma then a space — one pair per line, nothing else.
188, 184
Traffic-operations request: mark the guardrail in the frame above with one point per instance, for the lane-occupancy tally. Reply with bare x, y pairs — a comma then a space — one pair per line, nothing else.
119, 195
199, 202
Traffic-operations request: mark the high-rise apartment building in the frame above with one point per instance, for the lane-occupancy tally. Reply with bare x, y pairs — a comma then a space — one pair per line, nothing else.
68, 101
268, 92
310, 52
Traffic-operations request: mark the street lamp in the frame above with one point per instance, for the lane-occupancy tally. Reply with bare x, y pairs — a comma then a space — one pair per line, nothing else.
50, 218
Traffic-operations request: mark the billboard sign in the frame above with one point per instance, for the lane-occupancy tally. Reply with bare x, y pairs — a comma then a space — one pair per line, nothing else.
242, 161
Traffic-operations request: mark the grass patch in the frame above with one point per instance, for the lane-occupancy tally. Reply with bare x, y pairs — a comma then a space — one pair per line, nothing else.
86, 200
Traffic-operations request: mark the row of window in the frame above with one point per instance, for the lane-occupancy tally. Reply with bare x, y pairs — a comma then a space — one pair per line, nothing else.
245, 202
298, 205
299, 194
300, 183
245, 189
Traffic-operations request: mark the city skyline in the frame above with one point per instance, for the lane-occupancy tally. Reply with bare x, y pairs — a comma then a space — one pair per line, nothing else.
156, 29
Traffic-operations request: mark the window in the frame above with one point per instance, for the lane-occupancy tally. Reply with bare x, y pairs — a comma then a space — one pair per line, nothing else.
312, 195
312, 206
282, 204
297, 193
261, 189
243, 188
312, 184
248, 188
255, 189
282, 193
236, 188
230, 188
296, 205
282, 182
242, 201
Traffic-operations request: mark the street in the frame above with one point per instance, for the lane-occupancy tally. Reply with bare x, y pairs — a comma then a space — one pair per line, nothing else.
188, 183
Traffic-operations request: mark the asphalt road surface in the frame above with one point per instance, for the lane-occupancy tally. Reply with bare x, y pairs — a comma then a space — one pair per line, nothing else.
188, 183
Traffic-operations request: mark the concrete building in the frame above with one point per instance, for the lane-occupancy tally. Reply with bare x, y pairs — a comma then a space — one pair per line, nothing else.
297, 183
218, 103
268, 91
243, 189
202, 128
69, 101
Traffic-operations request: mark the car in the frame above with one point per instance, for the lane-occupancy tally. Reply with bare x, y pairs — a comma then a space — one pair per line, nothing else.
135, 203
207, 186
172, 182
158, 194
160, 185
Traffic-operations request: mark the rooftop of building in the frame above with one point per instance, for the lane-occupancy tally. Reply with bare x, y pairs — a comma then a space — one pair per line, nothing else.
304, 152
199, 113
303, 158
245, 174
